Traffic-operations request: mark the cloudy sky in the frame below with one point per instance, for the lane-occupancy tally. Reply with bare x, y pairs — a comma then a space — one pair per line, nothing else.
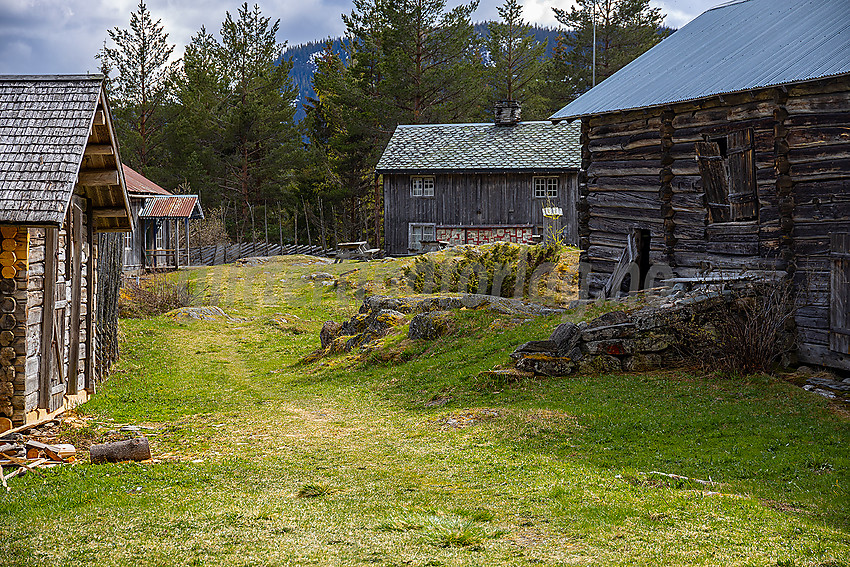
62, 36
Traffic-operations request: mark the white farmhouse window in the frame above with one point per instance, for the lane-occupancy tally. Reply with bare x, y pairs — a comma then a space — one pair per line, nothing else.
545, 187
419, 232
422, 186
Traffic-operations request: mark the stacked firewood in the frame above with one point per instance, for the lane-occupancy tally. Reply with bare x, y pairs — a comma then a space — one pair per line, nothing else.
31, 455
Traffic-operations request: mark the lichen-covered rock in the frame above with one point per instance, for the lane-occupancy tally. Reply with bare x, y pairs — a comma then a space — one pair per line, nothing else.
535, 346
642, 362
330, 331
429, 326
610, 318
613, 347
565, 337
601, 364
619, 331
649, 342
546, 364
355, 325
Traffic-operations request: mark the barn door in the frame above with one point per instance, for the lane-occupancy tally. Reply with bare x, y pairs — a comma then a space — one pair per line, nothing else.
52, 363
839, 300
713, 173
743, 197
74, 255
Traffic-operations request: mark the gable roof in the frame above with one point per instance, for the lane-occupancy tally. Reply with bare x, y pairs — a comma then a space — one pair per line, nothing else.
527, 146
47, 125
138, 184
173, 207
735, 47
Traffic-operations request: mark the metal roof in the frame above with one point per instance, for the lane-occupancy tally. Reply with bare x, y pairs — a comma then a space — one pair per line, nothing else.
173, 207
138, 184
482, 147
735, 47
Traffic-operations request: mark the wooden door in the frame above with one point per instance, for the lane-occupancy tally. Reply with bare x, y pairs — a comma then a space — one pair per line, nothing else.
839, 296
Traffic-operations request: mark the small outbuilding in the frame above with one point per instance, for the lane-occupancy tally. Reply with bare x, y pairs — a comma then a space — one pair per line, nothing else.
724, 152
60, 184
157, 243
480, 183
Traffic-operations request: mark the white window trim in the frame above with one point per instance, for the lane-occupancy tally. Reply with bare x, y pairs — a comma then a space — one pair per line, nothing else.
548, 191
424, 189
423, 225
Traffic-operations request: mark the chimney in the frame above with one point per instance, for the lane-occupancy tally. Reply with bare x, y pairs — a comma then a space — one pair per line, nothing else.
506, 112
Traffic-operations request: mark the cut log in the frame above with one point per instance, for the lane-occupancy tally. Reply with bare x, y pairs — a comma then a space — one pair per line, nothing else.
50, 451
131, 450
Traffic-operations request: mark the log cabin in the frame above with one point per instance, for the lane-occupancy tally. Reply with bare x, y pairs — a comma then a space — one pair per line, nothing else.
60, 185
156, 243
725, 150
479, 183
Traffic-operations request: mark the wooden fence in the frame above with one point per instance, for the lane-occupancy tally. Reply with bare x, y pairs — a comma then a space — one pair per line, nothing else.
216, 254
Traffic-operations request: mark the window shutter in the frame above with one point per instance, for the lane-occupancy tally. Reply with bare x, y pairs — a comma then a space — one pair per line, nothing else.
743, 195
713, 180
839, 296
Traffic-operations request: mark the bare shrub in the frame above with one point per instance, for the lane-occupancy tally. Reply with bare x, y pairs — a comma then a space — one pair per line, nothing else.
154, 296
746, 334
208, 231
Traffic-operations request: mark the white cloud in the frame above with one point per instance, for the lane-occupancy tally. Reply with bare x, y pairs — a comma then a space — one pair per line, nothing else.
62, 36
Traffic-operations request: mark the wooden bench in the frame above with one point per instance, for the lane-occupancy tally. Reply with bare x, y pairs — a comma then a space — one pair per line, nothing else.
433, 245
355, 251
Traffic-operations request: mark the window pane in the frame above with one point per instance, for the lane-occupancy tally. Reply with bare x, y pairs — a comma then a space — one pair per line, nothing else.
428, 186
416, 186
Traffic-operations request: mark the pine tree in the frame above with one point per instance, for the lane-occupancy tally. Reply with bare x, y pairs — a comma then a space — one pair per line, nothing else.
516, 57
139, 88
237, 119
625, 29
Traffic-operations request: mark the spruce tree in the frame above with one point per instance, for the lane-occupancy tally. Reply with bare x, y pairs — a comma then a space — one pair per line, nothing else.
139, 88
625, 29
516, 58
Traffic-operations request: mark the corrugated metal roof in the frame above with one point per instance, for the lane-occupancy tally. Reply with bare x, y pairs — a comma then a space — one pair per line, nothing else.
174, 206
139, 184
735, 47
482, 147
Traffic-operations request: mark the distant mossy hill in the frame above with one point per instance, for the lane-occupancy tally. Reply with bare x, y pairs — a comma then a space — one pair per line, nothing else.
303, 57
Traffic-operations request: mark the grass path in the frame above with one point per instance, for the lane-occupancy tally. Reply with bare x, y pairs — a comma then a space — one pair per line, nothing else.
267, 462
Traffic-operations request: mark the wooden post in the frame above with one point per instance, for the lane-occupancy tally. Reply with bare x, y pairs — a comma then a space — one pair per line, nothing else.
266, 220
188, 247
91, 300
48, 303
322, 220
307, 222
296, 225
74, 246
280, 225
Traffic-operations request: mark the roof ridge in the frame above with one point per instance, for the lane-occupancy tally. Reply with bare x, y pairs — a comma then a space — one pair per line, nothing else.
90, 76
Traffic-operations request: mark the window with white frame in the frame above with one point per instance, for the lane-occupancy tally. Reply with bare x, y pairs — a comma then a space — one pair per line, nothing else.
422, 186
545, 187
420, 232
159, 243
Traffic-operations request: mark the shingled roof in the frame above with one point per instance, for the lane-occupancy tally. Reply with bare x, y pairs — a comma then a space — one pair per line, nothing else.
736, 47
46, 124
527, 146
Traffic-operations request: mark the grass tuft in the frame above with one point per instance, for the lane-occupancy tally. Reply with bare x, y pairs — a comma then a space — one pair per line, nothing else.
313, 491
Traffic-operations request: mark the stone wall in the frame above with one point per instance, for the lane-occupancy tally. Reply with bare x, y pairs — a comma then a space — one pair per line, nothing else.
644, 338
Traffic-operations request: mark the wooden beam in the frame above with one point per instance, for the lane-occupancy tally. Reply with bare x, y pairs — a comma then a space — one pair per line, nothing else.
109, 213
99, 150
99, 118
94, 177
48, 305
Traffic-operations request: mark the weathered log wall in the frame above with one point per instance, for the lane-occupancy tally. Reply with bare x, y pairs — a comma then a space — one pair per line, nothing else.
470, 199
816, 148
640, 171
46, 303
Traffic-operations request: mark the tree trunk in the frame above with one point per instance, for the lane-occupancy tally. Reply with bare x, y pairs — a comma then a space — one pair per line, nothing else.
131, 450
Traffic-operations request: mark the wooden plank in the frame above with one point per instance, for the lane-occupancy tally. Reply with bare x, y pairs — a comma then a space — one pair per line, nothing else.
74, 249
743, 197
839, 304
98, 177
49, 301
91, 300
714, 180
99, 150
109, 213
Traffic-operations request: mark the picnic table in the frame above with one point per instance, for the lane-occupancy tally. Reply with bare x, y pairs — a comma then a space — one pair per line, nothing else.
355, 251
433, 245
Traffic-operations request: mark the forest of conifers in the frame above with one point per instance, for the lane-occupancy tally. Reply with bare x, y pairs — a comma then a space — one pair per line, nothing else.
233, 122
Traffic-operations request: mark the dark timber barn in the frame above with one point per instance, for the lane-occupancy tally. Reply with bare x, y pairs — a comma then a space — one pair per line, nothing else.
60, 184
726, 149
478, 183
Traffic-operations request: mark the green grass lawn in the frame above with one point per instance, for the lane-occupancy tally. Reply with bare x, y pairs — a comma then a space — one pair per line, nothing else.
263, 460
